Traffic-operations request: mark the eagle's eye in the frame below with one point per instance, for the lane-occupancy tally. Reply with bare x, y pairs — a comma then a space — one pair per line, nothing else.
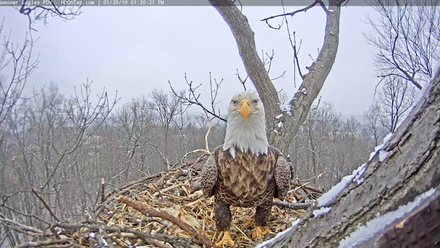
255, 101
234, 102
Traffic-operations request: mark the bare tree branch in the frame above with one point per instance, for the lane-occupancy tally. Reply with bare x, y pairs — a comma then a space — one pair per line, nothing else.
45, 204
42, 13
294, 12
193, 97
407, 38
20, 61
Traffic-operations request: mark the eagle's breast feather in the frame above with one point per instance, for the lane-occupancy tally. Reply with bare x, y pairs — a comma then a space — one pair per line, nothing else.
246, 180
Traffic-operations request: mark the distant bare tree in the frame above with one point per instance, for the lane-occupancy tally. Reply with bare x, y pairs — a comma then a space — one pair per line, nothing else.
167, 107
395, 99
373, 124
328, 147
407, 37
48, 170
16, 65
321, 123
136, 120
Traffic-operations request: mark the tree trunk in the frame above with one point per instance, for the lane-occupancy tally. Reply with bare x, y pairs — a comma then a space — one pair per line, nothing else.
244, 36
405, 167
282, 135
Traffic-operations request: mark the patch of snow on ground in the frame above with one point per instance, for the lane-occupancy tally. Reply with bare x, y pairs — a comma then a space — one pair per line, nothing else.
365, 232
279, 116
321, 211
329, 196
279, 235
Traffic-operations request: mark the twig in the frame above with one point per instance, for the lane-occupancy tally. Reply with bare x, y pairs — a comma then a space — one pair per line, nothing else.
280, 76
295, 51
206, 150
121, 190
22, 227
294, 12
309, 188
24, 214
102, 190
311, 178
193, 97
303, 188
294, 206
297, 196
45, 205
243, 82
127, 187
144, 209
115, 229
157, 243
44, 243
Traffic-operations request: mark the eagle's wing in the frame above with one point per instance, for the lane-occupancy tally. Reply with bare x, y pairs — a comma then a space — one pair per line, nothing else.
282, 176
209, 175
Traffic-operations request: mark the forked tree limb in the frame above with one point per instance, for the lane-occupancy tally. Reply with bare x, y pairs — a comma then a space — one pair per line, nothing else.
310, 87
313, 81
245, 39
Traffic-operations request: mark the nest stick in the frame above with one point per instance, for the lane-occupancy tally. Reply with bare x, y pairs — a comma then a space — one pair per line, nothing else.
43, 243
102, 190
45, 204
294, 206
165, 215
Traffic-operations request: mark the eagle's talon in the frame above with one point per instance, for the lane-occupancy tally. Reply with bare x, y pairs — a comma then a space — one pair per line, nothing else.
226, 240
258, 233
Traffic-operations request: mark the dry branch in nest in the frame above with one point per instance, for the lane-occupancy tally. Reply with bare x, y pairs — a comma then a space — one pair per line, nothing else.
165, 210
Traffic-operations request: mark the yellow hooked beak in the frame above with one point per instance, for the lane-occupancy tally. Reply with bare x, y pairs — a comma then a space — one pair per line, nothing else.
245, 108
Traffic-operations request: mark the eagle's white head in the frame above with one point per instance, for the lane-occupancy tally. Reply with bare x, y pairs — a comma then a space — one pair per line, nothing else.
246, 128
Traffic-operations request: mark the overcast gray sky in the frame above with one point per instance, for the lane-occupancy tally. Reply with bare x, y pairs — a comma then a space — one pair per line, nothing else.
135, 49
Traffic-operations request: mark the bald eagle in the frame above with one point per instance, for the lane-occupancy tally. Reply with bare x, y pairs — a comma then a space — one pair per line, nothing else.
245, 171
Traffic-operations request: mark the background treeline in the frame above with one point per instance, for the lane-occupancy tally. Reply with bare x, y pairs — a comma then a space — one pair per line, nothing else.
63, 146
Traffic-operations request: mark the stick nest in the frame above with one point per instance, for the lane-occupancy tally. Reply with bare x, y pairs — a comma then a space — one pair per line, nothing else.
178, 193
165, 210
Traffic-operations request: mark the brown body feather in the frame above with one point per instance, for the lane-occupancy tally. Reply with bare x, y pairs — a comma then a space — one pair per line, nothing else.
247, 180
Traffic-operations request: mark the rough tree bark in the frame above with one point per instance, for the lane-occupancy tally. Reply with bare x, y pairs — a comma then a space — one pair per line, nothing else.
310, 87
406, 166
254, 66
